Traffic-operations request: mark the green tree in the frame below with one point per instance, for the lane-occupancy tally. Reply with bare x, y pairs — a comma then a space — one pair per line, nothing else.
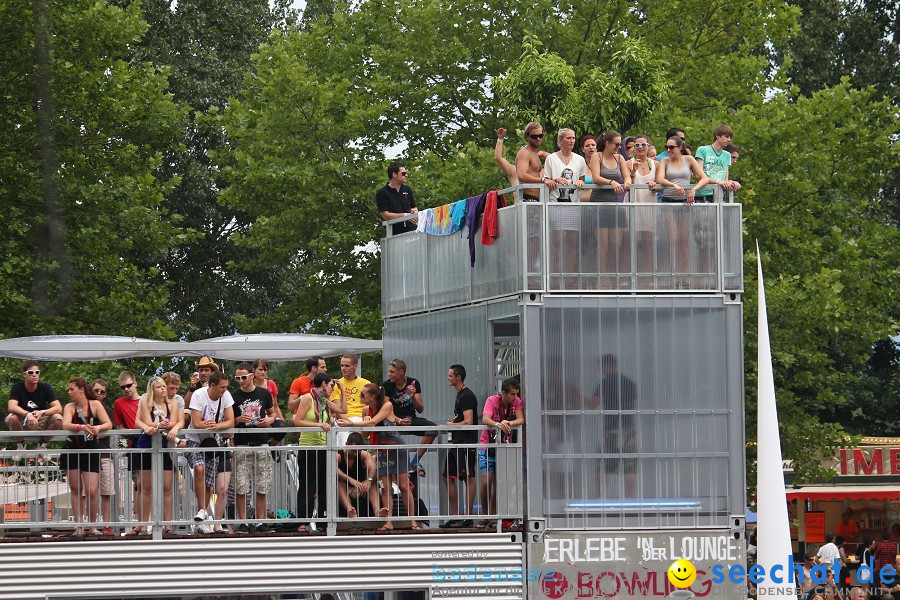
206, 48
844, 39
301, 163
84, 134
813, 200
542, 87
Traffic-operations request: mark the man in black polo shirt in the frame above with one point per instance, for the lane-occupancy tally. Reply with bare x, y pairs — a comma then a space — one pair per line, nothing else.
396, 199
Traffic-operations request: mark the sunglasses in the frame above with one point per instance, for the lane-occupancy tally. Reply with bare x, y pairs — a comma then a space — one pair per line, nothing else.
32, 372
404, 173
125, 386
671, 147
641, 145
100, 392
618, 145
241, 377
536, 136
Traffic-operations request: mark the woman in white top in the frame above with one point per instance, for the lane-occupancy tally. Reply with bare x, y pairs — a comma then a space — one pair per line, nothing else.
565, 168
643, 173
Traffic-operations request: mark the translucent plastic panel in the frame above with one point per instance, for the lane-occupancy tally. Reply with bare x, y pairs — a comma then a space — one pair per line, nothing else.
636, 409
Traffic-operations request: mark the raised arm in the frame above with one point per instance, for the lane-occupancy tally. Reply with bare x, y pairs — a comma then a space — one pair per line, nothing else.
505, 165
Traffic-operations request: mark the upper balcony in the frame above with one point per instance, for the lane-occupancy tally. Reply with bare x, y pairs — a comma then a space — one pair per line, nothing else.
552, 247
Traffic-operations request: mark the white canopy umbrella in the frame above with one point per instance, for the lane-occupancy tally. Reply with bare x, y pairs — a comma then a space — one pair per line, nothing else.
271, 346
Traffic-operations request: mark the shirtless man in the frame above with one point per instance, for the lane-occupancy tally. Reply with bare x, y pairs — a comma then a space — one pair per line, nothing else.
528, 162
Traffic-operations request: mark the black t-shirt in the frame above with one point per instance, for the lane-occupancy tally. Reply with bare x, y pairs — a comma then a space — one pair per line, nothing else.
617, 392
39, 399
401, 398
105, 442
389, 199
256, 404
465, 400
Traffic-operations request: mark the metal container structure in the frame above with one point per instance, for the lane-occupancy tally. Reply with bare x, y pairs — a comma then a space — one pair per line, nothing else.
625, 323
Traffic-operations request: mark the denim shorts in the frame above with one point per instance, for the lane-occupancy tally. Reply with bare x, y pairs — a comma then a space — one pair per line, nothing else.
486, 463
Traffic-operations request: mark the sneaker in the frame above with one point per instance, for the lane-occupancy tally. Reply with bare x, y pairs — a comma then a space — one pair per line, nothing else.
42, 447
244, 528
451, 524
263, 528
201, 515
16, 456
203, 528
108, 530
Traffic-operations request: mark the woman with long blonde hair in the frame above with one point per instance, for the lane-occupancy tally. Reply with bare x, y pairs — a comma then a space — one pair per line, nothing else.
157, 413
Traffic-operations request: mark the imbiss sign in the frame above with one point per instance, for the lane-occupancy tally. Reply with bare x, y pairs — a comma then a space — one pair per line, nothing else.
631, 564
868, 461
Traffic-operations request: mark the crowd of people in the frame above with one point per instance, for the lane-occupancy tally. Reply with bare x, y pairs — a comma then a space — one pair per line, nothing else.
605, 160
249, 406
874, 554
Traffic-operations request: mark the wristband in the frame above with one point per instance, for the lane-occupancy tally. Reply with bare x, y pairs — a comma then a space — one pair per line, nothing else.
80, 427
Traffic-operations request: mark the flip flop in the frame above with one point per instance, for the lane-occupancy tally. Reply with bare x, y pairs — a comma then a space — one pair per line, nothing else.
415, 528
385, 528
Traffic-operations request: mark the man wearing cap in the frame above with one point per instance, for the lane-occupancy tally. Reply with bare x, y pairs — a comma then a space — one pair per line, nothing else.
33, 405
206, 366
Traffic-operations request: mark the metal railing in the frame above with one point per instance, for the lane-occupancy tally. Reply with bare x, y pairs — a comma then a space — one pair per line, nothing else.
547, 246
301, 486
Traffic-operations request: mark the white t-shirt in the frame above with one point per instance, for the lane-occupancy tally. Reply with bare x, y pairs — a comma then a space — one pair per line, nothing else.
554, 167
208, 408
828, 554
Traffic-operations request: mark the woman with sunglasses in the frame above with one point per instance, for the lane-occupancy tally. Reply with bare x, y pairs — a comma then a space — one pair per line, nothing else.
674, 174
86, 418
608, 167
643, 173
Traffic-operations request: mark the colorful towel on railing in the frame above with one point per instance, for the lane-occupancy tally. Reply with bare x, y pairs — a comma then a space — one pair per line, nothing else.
474, 209
490, 226
440, 222
458, 214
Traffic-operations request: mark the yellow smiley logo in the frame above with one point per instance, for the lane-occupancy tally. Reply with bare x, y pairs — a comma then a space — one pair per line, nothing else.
682, 573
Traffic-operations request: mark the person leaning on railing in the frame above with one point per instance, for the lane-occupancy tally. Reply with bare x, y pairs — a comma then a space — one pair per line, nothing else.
314, 411
86, 418
501, 413
391, 464
157, 413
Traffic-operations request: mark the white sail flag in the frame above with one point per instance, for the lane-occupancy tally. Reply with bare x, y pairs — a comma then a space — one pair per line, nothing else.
773, 534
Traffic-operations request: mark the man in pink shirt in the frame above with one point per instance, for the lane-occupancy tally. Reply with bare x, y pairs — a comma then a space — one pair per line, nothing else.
501, 412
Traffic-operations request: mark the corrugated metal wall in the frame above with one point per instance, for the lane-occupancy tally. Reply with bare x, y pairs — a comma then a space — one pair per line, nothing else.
431, 342
211, 567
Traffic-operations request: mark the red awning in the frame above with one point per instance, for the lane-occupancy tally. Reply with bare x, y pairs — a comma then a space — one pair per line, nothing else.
845, 492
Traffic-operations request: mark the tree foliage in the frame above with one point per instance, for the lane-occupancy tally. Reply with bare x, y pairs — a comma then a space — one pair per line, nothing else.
206, 48
542, 87
246, 204
84, 227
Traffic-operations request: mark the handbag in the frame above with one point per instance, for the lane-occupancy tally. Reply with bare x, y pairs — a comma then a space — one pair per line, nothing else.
212, 441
